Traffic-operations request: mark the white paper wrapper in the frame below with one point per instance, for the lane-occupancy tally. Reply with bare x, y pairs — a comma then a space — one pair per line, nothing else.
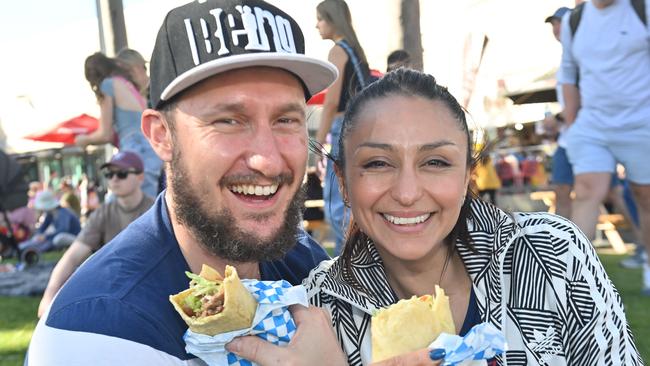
481, 343
272, 322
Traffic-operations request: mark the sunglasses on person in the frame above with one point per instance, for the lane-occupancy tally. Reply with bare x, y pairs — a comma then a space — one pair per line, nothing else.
121, 174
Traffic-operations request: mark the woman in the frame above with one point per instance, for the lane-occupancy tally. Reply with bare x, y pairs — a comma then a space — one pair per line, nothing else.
121, 106
137, 66
335, 23
416, 225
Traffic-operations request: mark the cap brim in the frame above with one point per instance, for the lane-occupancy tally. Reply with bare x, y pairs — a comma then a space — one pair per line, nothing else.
316, 74
548, 19
116, 164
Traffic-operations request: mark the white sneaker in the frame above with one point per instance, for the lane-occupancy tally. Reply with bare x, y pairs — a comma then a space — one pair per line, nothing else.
646, 279
634, 261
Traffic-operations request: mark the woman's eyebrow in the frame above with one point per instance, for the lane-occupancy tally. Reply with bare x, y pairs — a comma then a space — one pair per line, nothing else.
377, 145
435, 145
389, 147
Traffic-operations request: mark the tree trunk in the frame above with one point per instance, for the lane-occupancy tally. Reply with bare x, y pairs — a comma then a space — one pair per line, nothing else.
411, 36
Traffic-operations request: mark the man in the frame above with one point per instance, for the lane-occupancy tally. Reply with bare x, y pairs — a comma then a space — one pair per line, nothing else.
397, 59
561, 173
124, 173
229, 81
610, 112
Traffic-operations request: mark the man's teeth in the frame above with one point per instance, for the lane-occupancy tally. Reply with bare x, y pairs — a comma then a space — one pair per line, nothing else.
255, 190
406, 220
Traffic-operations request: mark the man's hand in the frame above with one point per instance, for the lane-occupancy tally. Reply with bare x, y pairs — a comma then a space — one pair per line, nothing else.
314, 343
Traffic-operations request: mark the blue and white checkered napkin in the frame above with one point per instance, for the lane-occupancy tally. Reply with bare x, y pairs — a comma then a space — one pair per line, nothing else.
482, 342
272, 322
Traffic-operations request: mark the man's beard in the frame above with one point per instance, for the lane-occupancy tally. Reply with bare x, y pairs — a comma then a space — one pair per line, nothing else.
217, 231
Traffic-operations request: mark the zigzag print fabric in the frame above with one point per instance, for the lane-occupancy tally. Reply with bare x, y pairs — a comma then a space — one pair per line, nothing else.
560, 306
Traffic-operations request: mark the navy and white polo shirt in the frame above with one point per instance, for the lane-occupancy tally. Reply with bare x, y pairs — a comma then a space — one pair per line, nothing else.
115, 308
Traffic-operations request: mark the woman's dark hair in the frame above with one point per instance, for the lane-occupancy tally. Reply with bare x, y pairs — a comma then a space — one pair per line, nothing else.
337, 14
408, 83
99, 67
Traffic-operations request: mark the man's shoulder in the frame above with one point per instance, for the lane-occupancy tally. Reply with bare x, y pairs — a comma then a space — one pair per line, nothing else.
122, 334
125, 286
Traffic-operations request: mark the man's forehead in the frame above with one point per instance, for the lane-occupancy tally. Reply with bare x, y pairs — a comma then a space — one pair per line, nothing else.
246, 78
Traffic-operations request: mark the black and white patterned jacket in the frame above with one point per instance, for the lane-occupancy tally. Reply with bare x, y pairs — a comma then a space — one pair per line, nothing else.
560, 306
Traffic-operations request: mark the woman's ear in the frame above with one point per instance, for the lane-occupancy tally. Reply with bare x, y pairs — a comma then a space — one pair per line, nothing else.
341, 180
156, 129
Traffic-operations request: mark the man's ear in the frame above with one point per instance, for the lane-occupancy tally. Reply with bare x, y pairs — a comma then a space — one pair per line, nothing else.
341, 179
156, 129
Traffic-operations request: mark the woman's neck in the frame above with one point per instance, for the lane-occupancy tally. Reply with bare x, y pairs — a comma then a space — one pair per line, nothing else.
420, 277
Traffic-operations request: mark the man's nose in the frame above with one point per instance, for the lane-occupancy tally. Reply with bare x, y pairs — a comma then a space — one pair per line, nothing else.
265, 156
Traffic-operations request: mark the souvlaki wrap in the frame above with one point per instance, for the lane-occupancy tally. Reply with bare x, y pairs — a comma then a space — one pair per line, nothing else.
218, 309
410, 324
215, 304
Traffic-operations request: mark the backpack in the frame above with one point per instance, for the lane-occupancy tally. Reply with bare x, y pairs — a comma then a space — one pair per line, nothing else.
576, 14
362, 80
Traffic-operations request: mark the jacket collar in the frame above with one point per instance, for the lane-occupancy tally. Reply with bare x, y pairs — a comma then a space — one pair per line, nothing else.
485, 220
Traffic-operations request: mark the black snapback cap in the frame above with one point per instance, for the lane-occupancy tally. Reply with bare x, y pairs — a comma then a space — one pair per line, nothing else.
207, 37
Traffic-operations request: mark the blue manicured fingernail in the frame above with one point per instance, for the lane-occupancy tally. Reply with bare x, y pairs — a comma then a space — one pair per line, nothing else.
437, 354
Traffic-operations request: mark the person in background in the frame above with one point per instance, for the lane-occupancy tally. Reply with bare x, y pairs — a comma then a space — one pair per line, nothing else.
334, 23
69, 197
605, 78
124, 173
34, 188
137, 66
58, 228
121, 107
397, 59
486, 178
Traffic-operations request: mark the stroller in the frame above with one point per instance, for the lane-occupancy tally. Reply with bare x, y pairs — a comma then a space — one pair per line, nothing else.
13, 194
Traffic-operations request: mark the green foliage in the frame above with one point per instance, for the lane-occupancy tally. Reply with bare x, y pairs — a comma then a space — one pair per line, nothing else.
17, 321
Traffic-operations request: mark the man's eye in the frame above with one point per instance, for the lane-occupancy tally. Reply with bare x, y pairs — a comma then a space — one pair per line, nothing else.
230, 122
288, 120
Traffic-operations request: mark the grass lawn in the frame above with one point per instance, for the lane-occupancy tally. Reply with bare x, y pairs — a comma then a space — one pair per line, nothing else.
18, 314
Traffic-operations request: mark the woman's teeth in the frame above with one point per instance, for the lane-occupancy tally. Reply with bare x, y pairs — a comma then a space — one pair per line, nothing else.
255, 190
406, 220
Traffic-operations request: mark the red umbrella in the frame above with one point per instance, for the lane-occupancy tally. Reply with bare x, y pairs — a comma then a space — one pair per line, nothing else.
66, 131
319, 98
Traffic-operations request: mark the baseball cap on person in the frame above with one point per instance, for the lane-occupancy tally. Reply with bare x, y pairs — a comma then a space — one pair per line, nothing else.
559, 13
207, 37
126, 160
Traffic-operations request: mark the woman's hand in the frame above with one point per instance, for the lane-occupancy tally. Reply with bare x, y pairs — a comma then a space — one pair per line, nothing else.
81, 141
423, 357
314, 343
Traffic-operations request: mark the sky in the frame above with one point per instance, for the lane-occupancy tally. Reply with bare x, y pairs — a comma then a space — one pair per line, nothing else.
48, 41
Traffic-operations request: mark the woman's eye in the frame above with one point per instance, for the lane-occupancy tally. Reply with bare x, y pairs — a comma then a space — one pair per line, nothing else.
375, 164
437, 163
